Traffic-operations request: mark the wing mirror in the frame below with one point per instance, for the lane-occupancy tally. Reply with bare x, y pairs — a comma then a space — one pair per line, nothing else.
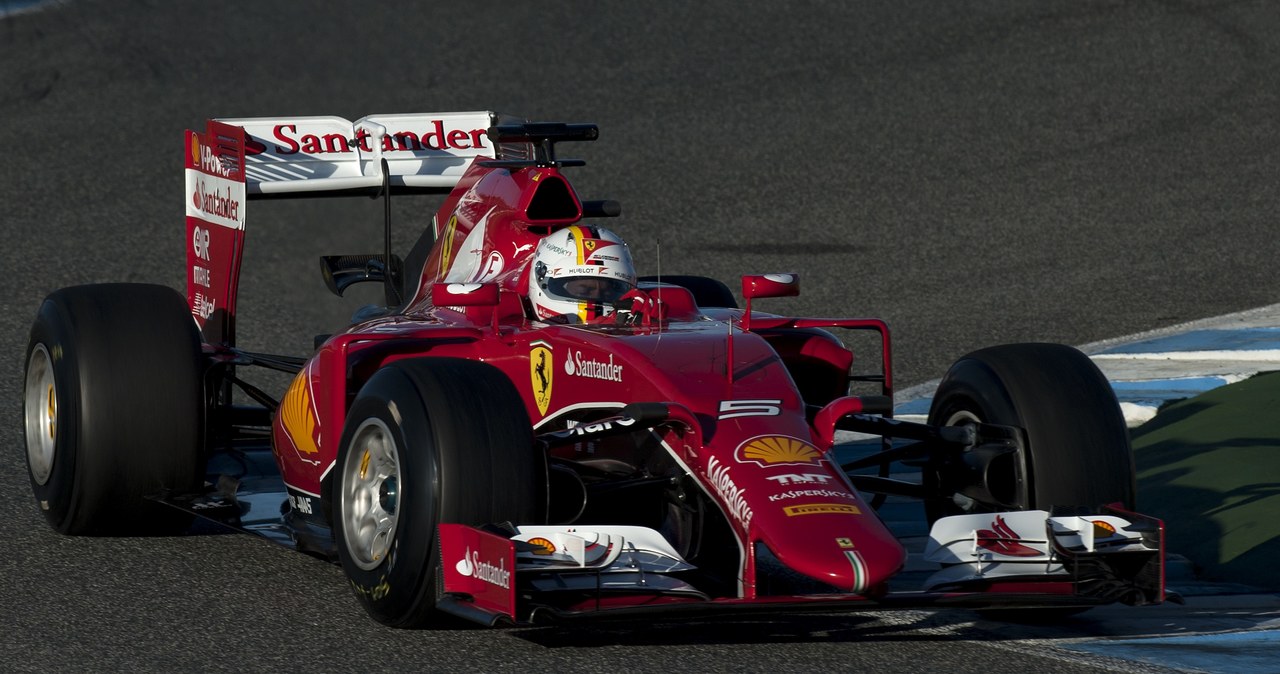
770, 285
464, 294
767, 285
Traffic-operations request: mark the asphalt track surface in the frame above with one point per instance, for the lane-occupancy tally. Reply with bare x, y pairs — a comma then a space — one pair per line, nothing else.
974, 173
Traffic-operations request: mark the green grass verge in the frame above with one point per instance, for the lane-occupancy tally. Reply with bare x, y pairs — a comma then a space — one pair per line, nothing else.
1209, 467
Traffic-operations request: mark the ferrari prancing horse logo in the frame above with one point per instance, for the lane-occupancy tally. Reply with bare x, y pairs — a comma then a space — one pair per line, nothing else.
541, 368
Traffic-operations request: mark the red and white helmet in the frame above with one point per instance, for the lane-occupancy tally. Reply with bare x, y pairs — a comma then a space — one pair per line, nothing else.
578, 273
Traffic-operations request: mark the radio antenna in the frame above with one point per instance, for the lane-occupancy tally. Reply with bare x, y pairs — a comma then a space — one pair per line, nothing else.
658, 247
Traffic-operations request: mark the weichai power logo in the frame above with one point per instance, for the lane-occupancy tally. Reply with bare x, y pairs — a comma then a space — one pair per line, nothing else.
778, 450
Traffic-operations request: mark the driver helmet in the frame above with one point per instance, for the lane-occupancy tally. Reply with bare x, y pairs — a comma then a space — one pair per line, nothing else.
578, 273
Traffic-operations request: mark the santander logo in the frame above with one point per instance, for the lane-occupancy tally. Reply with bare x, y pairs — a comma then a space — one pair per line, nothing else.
472, 566
220, 201
289, 140
575, 365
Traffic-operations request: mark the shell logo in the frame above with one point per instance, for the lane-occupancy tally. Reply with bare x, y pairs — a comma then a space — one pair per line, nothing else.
778, 450
195, 150
545, 547
296, 415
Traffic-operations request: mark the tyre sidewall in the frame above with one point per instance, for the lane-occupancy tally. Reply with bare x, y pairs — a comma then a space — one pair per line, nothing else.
972, 386
55, 496
397, 586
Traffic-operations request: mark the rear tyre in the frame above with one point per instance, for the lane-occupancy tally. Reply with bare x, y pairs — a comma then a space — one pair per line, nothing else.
114, 408
1076, 442
707, 292
428, 441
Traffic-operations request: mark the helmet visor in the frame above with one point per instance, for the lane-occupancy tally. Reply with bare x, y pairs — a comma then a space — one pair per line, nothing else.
587, 288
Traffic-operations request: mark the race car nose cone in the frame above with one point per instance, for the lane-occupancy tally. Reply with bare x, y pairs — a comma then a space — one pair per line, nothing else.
852, 552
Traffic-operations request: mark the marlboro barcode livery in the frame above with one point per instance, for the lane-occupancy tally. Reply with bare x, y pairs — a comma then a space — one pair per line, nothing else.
524, 428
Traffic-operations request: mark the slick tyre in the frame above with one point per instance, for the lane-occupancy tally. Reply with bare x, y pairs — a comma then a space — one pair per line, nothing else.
114, 408
427, 441
1077, 451
707, 292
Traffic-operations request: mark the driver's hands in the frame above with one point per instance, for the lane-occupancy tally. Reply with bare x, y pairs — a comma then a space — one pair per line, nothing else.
636, 308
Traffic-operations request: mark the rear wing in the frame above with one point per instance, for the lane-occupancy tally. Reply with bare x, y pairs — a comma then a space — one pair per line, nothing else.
315, 156
249, 158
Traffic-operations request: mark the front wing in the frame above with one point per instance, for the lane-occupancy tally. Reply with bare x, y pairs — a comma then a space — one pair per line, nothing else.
524, 574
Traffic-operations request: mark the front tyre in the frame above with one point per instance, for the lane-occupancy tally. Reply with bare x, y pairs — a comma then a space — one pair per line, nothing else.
427, 441
113, 404
1076, 442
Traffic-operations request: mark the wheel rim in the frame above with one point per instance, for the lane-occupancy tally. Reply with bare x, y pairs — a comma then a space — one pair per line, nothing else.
966, 504
371, 493
961, 418
955, 503
41, 407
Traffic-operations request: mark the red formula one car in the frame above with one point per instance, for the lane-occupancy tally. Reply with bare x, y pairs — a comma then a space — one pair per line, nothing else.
523, 429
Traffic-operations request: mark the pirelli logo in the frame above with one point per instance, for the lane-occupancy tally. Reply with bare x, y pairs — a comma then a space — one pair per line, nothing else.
822, 509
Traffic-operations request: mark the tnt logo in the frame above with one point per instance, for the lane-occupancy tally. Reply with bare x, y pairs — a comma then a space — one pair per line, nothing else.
805, 478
